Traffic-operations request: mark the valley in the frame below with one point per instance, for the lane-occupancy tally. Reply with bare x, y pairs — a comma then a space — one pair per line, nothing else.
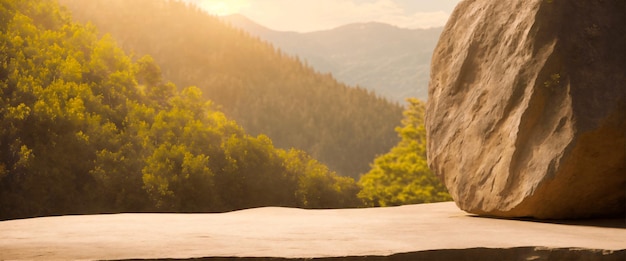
390, 61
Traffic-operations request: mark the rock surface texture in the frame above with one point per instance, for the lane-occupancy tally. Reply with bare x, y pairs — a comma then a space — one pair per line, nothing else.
526, 108
438, 231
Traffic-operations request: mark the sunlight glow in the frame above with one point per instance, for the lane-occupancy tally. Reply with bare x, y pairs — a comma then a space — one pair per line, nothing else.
221, 7
314, 15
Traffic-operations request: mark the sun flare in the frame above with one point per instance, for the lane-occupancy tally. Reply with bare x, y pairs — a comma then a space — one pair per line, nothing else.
222, 7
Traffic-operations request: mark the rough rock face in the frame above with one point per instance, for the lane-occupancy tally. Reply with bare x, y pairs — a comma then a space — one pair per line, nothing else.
526, 109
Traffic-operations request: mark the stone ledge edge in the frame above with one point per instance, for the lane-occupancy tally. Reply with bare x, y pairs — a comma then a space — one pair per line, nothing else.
516, 253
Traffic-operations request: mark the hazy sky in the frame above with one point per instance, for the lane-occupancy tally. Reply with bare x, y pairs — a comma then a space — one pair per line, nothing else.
313, 15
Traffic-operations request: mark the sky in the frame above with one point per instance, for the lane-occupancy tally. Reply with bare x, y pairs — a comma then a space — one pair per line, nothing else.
315, 15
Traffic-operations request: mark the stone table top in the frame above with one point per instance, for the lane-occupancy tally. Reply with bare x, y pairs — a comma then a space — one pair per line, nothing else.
291, 233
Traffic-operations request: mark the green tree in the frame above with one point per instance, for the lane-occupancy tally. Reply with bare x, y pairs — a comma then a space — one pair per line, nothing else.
318, 187
178, 180
402, 175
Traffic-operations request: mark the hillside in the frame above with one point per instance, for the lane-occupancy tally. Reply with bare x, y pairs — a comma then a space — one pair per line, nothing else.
88, 129
393, 62
262, 88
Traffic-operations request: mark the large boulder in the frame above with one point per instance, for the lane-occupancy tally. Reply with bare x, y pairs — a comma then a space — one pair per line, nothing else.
526, 108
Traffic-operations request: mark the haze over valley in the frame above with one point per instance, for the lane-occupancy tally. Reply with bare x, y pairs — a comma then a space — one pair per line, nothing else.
391, 61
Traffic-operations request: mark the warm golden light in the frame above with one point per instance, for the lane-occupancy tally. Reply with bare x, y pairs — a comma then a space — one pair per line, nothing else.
222, 7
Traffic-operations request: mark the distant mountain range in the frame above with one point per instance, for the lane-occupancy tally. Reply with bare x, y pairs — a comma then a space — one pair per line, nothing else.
393, 62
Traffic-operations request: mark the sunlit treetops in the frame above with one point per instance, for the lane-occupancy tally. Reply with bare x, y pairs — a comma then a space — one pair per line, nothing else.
89, 129
264, 90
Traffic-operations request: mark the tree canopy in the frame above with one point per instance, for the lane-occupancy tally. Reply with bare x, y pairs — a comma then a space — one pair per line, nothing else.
260, 87
87, 128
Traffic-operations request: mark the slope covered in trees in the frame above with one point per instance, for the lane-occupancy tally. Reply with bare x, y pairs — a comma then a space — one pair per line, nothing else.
402, 175
261, 88
86, 129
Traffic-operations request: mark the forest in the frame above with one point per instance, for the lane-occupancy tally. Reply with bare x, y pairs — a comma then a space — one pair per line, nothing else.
263, 89
88, 127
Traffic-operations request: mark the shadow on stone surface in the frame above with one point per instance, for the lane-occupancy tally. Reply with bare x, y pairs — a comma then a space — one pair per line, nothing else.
519, 253
596, 222
606, 223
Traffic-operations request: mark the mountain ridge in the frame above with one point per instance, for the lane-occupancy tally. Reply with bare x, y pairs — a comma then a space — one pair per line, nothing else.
391, 61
